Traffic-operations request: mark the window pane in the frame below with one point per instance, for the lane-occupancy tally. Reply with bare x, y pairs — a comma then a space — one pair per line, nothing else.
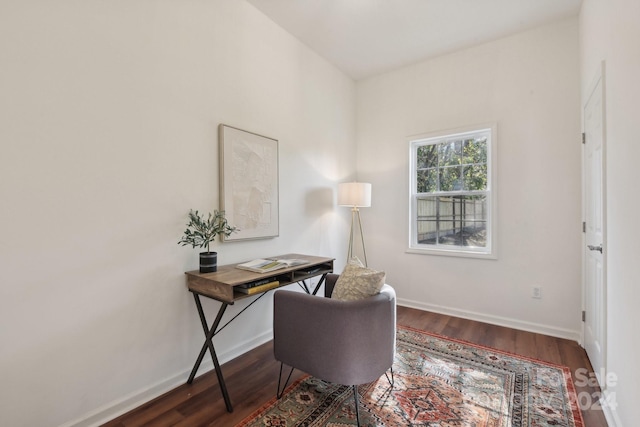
450, 153
427, 156
474, 226
475, 177
452, 221
475, 151
450, 179
427, 181
427, 216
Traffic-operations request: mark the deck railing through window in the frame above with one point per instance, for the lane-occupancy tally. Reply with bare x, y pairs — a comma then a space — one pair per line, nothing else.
459, 220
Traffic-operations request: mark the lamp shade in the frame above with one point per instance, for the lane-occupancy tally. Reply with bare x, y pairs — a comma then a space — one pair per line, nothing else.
354, 194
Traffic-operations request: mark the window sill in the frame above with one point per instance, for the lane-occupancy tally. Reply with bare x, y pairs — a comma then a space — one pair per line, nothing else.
453, 253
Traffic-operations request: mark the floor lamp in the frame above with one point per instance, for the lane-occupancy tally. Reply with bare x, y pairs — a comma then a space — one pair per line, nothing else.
355, 195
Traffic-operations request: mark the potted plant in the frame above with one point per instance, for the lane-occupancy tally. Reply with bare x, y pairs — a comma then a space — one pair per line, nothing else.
201, 232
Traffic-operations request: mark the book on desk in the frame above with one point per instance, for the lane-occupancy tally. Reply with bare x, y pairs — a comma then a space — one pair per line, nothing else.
258, 286
271, 264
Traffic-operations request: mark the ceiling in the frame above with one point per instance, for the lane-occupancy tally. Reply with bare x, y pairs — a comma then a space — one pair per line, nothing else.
368, 37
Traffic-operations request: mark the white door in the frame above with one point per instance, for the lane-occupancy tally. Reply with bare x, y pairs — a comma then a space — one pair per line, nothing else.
595, 290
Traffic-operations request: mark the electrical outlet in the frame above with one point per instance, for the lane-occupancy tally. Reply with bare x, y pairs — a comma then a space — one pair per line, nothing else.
536, 292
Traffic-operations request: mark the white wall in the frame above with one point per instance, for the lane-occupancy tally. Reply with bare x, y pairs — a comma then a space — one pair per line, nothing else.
528, 85
609, 32
108, 131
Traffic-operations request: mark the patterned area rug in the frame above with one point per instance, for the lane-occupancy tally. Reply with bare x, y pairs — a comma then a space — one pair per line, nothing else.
438, 382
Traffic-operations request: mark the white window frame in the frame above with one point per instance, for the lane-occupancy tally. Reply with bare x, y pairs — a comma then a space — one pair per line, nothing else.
488, 252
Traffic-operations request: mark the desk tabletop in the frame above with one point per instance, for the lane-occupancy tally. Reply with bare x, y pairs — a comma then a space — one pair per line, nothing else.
219, 284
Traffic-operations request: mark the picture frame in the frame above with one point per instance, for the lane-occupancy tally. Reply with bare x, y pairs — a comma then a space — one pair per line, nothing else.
249, 187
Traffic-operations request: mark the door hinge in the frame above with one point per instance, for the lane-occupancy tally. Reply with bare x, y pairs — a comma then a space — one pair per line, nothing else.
584, 226
584, 138
584, 315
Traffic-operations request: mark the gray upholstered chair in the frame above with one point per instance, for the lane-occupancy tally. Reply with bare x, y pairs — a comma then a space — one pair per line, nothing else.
343, 342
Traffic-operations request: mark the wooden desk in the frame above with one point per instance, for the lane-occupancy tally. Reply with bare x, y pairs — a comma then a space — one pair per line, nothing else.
220, 285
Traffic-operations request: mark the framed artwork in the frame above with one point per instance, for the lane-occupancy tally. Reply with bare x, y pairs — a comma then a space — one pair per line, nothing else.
249, 183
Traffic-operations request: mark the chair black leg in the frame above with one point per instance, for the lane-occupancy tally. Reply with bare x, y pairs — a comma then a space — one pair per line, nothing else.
280, 392
391, 380
355, 398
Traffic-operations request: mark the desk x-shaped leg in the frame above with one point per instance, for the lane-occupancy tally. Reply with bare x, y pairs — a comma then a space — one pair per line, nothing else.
209, 344
303, 285
211, 332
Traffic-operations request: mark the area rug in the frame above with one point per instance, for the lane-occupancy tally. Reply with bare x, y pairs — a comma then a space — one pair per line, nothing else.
440, 382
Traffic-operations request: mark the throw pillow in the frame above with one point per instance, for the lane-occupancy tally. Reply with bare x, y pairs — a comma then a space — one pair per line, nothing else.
357, 282
355, 261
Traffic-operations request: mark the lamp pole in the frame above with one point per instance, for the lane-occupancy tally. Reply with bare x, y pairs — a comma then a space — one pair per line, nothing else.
355, 216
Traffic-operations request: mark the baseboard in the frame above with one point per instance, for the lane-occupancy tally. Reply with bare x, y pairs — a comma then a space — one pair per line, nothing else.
494, 320
121, 406
610, 409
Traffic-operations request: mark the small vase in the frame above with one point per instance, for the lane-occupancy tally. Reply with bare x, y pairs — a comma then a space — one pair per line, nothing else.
208, 262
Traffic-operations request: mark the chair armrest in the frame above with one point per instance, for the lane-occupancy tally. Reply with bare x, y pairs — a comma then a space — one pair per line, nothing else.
346, 342
329, 284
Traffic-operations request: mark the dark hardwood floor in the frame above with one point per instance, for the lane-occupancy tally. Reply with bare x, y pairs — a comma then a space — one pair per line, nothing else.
251, 378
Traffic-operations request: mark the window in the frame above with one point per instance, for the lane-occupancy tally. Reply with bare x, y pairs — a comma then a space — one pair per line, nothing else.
452, 197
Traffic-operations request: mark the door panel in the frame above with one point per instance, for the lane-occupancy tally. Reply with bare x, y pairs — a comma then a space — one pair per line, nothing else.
595, 230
